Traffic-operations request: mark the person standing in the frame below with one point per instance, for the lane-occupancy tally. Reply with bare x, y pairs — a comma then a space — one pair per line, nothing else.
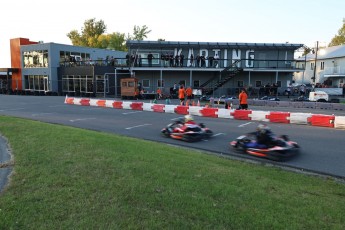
189, 93
181, 93
243, 99
149, 59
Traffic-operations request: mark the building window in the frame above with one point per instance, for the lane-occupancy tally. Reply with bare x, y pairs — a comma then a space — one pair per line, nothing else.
322, 65
196, 84
312, 65
182, 82
160, 83
35, 59
146, 83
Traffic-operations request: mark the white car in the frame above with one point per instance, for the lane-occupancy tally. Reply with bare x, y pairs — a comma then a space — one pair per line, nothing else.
318, 96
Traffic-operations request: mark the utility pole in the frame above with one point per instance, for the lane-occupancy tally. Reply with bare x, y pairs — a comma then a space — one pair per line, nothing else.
317, 48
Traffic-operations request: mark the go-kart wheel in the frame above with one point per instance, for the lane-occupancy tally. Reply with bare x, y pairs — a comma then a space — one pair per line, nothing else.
165, 133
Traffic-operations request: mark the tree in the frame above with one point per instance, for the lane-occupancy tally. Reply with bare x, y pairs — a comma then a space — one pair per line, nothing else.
89, 34
139, 33
117, 41
340, 38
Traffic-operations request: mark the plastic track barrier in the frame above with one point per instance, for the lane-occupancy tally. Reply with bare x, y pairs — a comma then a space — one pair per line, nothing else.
322, 120
117, 105
279, 117
159, 108
209, 112
85, 102
137, 106
181, 109
241, 114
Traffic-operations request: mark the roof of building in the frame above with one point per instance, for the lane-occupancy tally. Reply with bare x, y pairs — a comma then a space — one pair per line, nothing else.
174, 44
325, 53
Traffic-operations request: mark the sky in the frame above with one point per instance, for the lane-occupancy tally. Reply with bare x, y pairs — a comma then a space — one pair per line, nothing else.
252, 21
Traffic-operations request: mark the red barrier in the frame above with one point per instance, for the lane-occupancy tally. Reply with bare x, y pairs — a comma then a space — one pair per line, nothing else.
279, 117
209, 112
70, 100
158, 108
241, 114
137, 105
101, 103
85, 101
181, 109
117, 105
321, 120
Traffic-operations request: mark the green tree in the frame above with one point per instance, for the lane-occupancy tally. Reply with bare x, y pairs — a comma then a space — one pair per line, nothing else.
89, 35
139, 33
117, 41
340, 38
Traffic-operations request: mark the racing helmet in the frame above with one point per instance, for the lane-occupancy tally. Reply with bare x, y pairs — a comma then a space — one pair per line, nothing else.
188, 118
262, 128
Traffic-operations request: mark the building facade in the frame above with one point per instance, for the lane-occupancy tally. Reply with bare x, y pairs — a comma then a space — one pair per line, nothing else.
217, 68
211, 67
324, 68
41, 66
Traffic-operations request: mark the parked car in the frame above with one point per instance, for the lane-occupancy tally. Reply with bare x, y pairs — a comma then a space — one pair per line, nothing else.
269, 98
301, 98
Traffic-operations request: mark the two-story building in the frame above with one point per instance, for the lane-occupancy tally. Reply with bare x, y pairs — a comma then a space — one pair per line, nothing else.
214, 68
324, 68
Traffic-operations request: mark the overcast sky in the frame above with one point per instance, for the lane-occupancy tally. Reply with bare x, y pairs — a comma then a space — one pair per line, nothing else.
260, 21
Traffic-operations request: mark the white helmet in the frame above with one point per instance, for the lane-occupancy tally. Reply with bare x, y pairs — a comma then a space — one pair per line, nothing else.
262, 128
188, 118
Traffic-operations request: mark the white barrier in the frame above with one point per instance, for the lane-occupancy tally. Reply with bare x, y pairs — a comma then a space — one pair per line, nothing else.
339, 122
170, 108
259, 115
148, 107
195, 110
126, 104
299, 118
225, 113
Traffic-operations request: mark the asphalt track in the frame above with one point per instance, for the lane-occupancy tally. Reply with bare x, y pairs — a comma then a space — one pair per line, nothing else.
322, 150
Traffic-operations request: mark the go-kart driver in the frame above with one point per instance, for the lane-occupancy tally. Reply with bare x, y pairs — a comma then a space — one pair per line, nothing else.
264, 137
187, 123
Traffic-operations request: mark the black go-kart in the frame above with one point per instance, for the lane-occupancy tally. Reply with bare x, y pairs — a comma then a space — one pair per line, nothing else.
281, 148
191, 133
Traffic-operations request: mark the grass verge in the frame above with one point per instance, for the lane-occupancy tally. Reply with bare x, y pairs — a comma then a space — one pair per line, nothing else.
69, 178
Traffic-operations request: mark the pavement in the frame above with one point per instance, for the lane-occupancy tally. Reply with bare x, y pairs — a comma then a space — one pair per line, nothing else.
5, 163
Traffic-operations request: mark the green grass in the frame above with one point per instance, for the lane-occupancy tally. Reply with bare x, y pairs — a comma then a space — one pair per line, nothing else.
69, 178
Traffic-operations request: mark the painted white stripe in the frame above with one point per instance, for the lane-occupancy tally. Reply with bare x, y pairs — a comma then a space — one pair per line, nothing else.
138, 126
82, 119
3, 110
40, 114
218, 134
132, 112
245, 124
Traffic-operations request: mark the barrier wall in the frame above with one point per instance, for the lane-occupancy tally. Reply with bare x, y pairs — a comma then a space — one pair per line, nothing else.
330, 121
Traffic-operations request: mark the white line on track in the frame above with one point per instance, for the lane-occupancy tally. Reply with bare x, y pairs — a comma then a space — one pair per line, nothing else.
82, 119
3, 110
245, 124
214, 135
40, 114
132, 112
137, 126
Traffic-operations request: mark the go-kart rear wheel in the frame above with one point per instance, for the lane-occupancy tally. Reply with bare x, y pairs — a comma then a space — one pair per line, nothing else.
165, 133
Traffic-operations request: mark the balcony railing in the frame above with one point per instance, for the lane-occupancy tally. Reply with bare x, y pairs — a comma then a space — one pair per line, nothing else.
334, 70
216, 64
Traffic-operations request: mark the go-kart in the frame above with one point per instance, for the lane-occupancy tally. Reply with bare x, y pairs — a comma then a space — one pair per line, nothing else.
191, 133
280, 149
